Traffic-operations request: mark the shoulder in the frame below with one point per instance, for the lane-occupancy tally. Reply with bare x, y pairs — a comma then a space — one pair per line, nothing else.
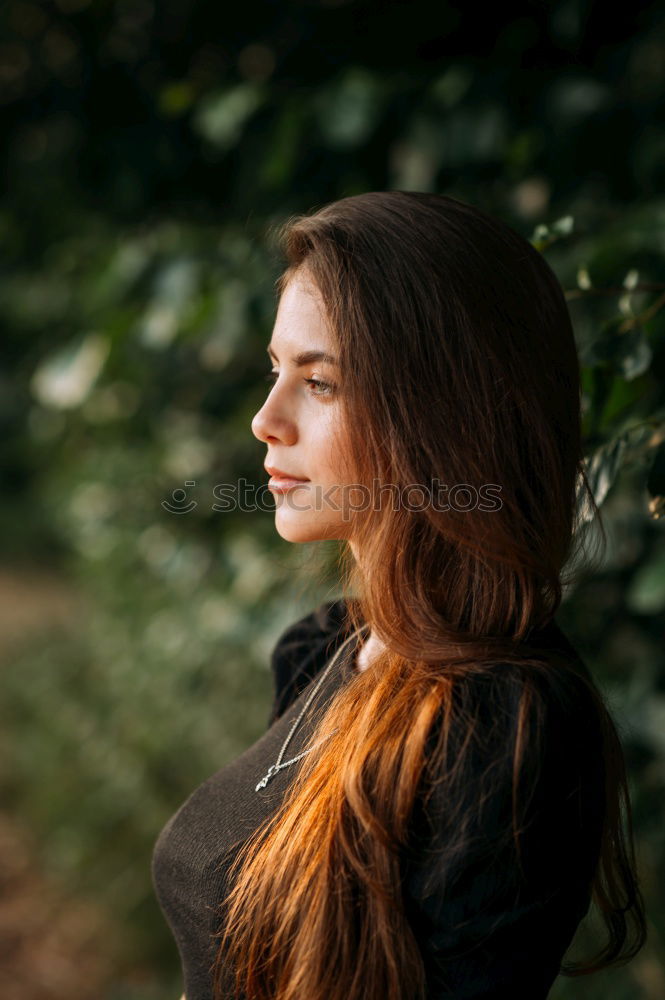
466, 891
553, 704
302, 649
526, 738
323, 620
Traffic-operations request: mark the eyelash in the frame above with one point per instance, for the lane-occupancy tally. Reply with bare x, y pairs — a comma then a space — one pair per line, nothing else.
328, 386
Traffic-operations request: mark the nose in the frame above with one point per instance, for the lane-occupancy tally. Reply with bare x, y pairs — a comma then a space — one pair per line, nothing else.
269, 425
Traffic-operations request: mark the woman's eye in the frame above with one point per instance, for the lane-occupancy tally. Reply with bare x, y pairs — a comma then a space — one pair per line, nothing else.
320, 388
327, 388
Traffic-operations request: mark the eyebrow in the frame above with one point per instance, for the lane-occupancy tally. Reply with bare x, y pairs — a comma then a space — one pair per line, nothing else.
306, 357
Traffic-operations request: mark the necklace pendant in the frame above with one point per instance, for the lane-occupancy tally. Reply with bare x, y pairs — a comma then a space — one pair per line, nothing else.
272, 771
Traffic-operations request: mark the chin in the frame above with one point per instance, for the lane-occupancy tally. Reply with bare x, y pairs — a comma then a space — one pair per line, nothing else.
297, 528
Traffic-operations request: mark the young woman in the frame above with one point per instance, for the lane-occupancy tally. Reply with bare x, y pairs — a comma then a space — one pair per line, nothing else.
440, 794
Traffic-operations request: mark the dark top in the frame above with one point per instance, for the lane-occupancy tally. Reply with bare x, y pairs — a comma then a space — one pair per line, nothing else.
522, 939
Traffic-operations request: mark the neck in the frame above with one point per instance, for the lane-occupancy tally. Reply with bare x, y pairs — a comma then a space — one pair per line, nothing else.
367, 651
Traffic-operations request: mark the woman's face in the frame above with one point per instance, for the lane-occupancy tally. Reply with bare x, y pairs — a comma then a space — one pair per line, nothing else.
300, 421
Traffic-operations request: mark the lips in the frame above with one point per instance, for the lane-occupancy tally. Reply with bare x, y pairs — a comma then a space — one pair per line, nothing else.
279, 475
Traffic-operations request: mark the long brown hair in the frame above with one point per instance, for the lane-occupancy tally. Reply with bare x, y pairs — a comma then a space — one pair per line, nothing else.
458, 361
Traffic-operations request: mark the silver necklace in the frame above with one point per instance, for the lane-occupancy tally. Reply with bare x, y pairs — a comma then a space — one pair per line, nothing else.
279, 764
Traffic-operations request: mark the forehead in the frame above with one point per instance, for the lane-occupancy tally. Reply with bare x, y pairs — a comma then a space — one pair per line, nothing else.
301, 312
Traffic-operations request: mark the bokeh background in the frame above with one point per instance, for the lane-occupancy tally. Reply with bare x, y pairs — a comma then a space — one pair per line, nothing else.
150, 149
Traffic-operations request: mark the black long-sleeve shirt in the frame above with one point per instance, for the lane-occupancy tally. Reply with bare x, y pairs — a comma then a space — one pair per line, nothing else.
507, 945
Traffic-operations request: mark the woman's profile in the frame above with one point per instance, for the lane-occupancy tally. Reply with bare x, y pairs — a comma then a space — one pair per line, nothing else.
440, 795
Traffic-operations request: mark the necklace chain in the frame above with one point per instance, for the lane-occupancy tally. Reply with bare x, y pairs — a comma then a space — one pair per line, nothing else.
278, 765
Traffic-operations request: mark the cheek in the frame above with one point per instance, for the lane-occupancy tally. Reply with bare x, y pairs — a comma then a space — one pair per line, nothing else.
330, 450
340, 461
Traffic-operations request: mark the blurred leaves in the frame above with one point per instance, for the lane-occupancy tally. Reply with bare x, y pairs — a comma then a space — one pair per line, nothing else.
646, 593
221, 115
544, 235
65, 379
349, 108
